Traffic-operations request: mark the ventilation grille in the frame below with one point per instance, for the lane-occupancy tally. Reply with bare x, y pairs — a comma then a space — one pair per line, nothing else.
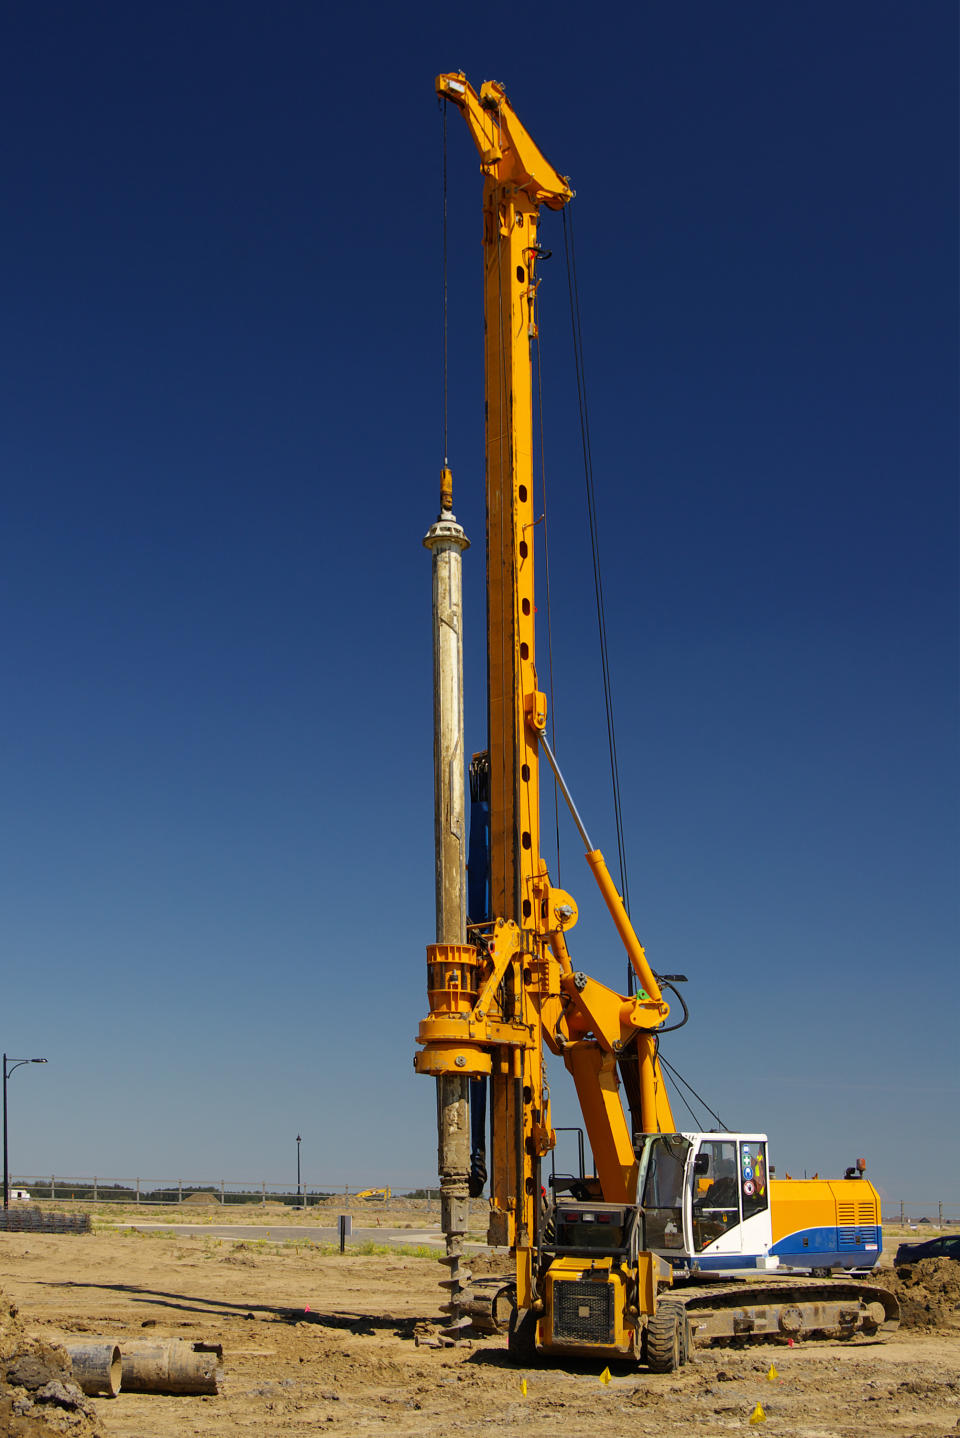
583, 1312
857, 1225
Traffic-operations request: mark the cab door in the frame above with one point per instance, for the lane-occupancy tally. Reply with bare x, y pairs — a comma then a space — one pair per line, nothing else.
715, 1207
730, 1202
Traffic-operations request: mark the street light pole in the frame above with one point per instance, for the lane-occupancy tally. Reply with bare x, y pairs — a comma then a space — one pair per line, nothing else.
299, 1204
6, 1167
8, 1067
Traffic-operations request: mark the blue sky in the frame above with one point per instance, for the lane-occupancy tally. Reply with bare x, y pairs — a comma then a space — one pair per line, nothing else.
219, 454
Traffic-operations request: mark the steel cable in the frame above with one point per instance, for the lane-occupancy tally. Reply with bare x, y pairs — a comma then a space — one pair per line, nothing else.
679, 1079
577, 328
546, 570
443, 269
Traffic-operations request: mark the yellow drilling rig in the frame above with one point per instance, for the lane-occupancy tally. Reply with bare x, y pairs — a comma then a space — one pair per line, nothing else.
649, 1250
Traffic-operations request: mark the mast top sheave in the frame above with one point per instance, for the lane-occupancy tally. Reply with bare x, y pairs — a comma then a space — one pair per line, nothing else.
508, 155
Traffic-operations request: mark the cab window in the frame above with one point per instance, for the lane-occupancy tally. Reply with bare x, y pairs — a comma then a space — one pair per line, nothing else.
716, 1191
663, 1191
754, 1187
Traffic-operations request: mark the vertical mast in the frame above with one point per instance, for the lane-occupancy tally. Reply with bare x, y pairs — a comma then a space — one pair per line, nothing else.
517, 181
509, 240
486, 999
509, 249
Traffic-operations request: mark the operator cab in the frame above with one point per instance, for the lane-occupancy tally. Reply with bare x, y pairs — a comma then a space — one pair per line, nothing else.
705, 1200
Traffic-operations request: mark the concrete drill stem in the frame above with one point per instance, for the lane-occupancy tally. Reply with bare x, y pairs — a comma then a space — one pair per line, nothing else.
446, 541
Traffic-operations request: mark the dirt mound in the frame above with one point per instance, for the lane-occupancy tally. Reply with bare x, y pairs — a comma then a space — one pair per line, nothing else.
491, 1265
38, 1397
928, 1292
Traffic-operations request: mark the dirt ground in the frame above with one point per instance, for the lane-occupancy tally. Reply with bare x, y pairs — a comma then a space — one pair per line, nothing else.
318, 1342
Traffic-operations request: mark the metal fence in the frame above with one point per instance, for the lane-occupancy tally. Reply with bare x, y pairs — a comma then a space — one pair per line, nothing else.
933, 1213
221, 1191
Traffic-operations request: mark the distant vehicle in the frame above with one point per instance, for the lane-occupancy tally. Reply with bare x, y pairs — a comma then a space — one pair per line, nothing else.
946, 1247
19, 1193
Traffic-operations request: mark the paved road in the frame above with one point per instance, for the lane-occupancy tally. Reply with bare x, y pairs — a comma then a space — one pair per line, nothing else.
285, 1234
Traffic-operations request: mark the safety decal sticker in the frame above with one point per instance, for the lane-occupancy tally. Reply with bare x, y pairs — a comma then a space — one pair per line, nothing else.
748, 1188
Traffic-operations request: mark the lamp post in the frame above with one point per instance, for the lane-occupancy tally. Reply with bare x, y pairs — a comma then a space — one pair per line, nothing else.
299, 1204
8, 1067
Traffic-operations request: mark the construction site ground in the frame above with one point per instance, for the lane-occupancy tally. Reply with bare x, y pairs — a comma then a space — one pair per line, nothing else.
318, 1341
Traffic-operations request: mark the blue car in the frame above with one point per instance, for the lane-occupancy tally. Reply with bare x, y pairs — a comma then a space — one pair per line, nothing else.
946, 1247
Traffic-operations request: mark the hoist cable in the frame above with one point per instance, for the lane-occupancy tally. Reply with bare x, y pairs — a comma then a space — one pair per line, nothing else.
577, 328
682, 1097
546, 570
679, 1079
443, 268
577, 324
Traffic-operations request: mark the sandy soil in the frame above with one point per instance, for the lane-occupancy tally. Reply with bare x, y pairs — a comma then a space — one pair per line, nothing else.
314, 1341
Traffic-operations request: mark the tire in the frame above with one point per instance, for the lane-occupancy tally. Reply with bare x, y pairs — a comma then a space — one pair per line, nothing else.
665, 1346
522, 1335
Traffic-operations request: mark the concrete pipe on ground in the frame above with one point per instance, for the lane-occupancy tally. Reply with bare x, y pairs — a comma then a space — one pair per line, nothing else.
97, 1368
170, 1365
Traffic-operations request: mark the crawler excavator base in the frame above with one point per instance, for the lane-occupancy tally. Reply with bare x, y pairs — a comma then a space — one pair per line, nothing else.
729, 1314
724, 1312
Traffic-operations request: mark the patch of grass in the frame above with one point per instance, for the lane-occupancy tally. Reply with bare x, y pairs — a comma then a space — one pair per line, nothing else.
208, 1247
382, 1250
133, 1232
